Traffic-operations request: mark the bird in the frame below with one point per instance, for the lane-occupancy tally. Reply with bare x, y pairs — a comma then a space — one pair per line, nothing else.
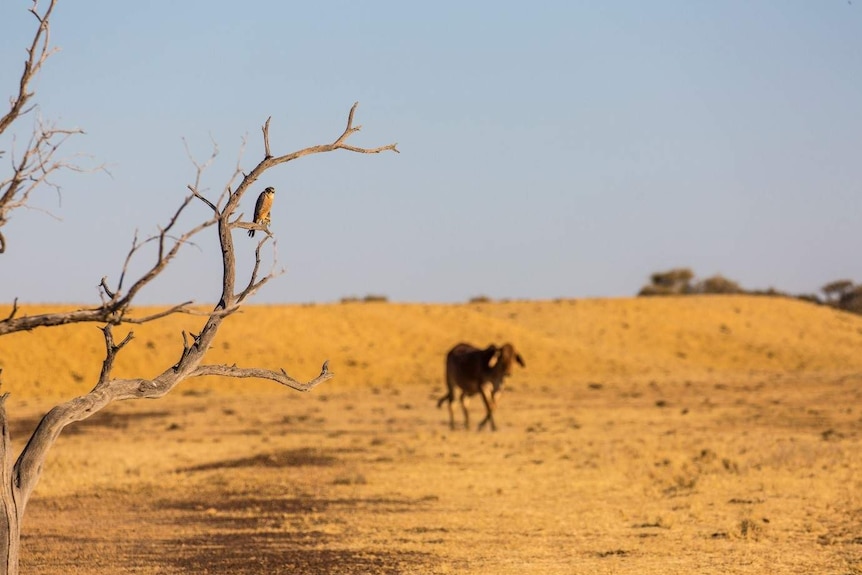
262, 208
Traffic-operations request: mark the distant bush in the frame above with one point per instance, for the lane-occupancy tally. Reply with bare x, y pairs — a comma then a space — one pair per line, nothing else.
717, 284
836, 290
810, 298
850, 299
480, 299
653, 289
375, 298
680, 281
370, 298
840, 294
675, 281
771, 291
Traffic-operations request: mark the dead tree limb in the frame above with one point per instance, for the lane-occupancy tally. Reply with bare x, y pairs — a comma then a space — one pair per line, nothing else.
38, 52
33, 167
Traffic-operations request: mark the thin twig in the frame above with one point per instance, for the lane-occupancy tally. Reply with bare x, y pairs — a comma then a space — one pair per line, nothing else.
265, 128
14, 309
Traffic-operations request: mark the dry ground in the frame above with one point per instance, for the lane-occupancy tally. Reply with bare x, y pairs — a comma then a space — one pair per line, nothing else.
701, 435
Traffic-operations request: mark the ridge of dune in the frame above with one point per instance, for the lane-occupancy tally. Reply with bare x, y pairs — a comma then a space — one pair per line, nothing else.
367, 344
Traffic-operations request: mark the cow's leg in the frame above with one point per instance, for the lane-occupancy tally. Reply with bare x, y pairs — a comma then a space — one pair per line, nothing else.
489, 410
451, 411
450, 398
464, 402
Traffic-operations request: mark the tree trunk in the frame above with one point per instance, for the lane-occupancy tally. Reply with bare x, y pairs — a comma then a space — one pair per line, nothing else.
10, 510
10, 533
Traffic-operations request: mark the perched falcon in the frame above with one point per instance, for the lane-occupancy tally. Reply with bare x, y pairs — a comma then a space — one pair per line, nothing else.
262, 208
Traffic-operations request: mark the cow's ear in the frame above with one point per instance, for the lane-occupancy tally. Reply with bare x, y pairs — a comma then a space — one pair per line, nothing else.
493, 355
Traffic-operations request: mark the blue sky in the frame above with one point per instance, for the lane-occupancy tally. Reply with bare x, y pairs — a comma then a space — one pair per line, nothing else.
560, 149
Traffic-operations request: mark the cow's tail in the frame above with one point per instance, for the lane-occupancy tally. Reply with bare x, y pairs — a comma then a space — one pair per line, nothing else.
450, 395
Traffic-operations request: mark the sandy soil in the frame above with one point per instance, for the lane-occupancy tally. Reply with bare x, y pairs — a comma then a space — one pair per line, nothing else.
703, 436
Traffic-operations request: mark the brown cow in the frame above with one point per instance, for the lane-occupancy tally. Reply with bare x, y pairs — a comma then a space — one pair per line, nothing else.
472, 369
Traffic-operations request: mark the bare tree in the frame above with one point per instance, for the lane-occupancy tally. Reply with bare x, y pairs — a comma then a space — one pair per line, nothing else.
19, 476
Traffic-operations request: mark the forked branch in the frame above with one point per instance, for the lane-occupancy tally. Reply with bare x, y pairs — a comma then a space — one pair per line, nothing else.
111, 350
38, 52
115, 303
34, 169
254, 284
340, 143
269, 161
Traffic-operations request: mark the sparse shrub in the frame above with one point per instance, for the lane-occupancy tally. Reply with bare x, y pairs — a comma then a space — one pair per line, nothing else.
840, 294
367, 299
678, 280
717, 284
810, 298
836, 290
480, 299
375, 298
671, 282
655, 290
770, 291
852, 300
843, 295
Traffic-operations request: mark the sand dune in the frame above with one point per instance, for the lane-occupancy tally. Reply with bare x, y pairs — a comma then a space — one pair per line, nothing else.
563, 341
649, 436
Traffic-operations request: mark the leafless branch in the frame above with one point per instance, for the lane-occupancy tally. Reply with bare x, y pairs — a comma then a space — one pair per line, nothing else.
338, 144
35, 167
39, 160
265, 128
14, 309
105, 289
277, 376
179, 308
200, 168
114, 310
168, 247
269, 161
38, 52
254, 284
211, 205
111, 351
237, 172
